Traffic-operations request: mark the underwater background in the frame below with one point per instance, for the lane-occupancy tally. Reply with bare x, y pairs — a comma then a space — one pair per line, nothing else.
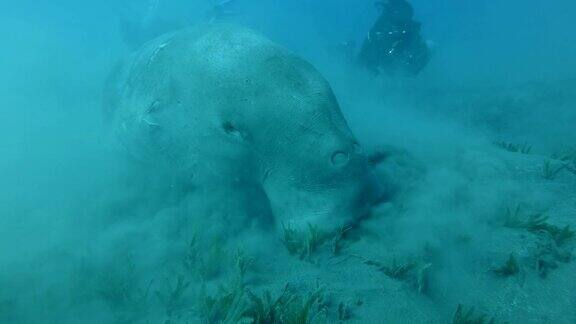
478, 148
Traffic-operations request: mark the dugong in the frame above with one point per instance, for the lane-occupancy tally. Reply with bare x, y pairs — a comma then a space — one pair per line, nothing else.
254, 130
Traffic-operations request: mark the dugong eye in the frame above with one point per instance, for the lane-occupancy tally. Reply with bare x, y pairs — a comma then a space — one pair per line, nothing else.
339, 158
229, 128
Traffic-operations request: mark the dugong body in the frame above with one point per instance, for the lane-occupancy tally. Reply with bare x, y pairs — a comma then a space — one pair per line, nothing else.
254, 130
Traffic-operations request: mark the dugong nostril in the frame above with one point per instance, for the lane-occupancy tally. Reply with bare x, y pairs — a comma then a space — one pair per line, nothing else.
339, 158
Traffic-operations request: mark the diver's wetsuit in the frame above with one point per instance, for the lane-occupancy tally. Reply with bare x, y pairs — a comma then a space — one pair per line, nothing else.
394, 44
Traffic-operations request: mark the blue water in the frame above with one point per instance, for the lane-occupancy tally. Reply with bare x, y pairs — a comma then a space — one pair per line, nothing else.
475, 155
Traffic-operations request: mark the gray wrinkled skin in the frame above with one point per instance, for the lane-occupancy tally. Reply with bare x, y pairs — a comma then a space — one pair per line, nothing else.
254, 130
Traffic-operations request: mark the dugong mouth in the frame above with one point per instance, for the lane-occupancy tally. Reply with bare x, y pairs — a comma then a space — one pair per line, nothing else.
373, 197
381, 199
347, 211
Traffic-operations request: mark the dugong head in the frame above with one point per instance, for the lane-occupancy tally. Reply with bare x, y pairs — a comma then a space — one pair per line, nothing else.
223, 100
314, 170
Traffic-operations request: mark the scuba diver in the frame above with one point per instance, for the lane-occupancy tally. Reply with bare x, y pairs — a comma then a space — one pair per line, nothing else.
221, 10
394, 44
143, 20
